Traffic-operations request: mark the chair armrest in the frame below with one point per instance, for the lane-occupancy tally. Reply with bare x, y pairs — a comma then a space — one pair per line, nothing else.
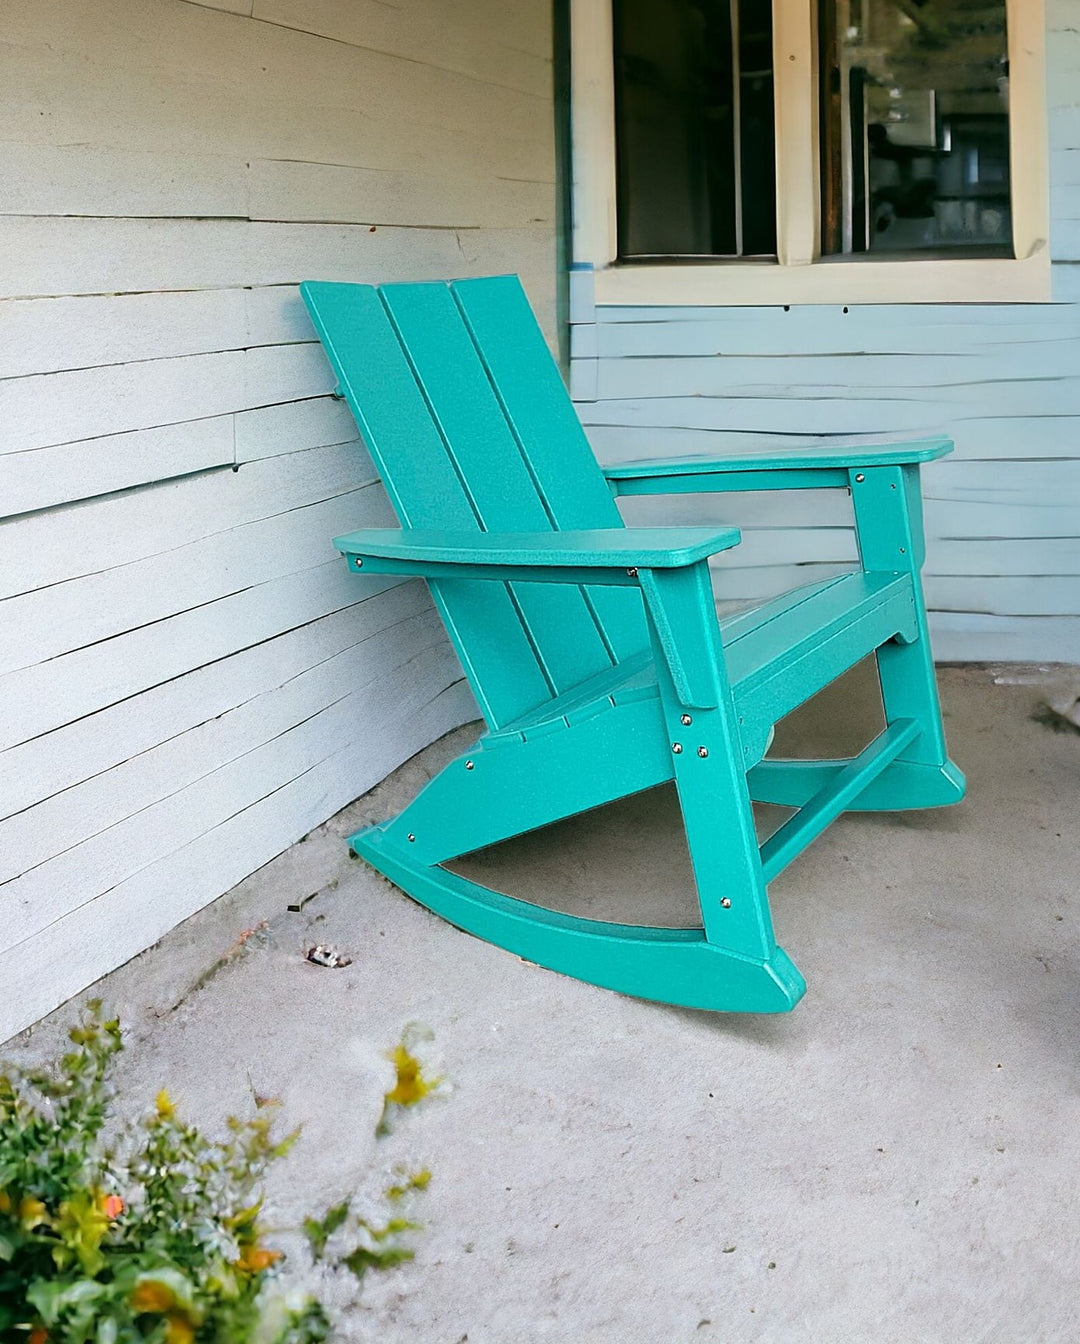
809, 467
601, 556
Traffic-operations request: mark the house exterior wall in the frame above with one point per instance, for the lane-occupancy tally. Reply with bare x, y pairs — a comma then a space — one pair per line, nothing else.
189, 679
1003, 514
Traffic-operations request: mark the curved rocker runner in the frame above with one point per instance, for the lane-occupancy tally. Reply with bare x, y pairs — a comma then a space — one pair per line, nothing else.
594, 650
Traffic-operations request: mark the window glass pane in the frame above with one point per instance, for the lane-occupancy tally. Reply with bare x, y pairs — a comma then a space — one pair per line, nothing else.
694, 128
915, 126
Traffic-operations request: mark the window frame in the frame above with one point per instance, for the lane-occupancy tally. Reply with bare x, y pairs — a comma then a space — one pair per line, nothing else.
800, 274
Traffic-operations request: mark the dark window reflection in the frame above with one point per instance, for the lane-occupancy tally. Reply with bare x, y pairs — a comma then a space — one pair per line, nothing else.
915, 126
695, 128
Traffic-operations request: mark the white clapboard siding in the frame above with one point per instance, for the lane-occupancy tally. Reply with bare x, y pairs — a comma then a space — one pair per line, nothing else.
35, 837
37, 700
332, 192
88, 180
64, 617
137, 524
41, 478
84, 403
45, 767
190, 680
489, 41
50, 967
301, 725
294, 426
50, 335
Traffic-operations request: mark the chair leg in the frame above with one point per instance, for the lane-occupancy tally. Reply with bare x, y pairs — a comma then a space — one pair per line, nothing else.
709, 773
888, 515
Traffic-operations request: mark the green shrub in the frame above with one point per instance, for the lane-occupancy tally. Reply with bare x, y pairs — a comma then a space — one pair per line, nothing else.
154, 1236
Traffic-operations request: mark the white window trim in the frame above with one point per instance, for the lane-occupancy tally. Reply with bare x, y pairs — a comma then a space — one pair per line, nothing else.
800, 274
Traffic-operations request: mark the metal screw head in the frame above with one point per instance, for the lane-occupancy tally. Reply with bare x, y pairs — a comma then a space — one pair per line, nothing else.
469, 765
359, 563
686, 720
903, 550
860, 477
632, 573
726, 902
410, 837
676, 748
703, 752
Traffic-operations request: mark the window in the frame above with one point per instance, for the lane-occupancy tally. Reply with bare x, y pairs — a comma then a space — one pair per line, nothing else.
694, 128
914, 127
763, 151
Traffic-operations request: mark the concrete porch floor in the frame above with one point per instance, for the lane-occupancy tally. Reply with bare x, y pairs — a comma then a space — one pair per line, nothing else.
894, 1162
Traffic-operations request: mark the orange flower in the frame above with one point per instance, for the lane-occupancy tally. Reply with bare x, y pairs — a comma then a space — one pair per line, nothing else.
112, 1206
38, 1335
5, 1202
254, 1259
151, 1295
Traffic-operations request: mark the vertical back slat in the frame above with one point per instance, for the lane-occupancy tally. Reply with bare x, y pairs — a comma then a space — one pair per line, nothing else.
394, 419
546, 426
482, 447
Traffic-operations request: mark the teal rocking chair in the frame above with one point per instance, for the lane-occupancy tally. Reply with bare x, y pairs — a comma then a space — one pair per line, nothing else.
595, 652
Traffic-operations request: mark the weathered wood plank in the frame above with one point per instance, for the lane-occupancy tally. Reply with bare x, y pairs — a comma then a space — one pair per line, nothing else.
138, 525
44, 477
62, 617
44, 256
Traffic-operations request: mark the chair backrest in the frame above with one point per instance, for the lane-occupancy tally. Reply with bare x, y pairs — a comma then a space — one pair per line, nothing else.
466, 416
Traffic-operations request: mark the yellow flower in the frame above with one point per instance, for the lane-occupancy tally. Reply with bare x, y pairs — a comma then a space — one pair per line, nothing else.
32, 1212
5, 1202
179, 1330
166, 1107
411, 1085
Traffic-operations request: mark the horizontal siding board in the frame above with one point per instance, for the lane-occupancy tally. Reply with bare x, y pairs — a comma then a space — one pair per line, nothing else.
482, 40
42, 478
92, 180
56, 408
973, 637
294, 426
60, 256
64, 617
39, 336
331, 192
156, 522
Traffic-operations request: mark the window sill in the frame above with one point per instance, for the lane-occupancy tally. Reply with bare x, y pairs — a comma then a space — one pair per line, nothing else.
840, 281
